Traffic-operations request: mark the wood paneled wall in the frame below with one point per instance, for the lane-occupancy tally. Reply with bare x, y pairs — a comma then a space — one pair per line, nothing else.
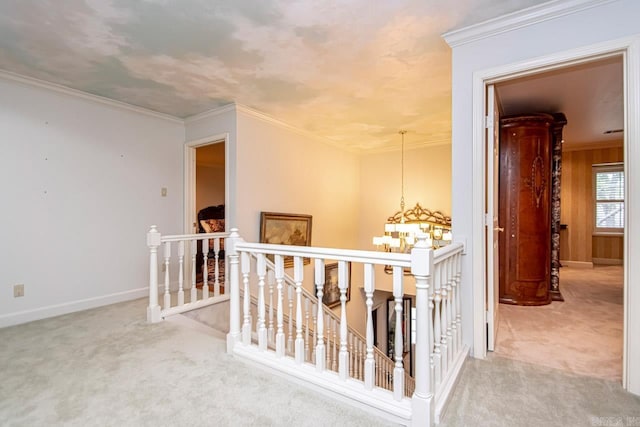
577, 241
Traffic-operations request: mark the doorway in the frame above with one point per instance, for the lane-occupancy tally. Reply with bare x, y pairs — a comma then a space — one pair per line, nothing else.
543, 92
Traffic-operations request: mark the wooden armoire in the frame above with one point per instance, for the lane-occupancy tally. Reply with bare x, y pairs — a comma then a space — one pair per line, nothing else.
529, 208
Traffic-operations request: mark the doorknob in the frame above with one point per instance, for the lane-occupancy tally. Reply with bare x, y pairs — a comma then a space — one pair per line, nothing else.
500, 229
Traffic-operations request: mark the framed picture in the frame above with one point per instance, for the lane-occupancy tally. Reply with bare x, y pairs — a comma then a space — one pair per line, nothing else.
286, 229
330, 290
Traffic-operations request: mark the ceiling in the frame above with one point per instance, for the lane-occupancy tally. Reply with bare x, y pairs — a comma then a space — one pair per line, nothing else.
352, 72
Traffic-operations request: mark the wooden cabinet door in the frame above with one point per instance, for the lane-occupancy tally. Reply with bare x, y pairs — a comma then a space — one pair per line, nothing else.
524, 210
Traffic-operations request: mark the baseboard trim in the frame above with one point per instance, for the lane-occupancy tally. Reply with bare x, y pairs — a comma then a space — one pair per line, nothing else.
378, 402
576, 264
608, 261
25, 316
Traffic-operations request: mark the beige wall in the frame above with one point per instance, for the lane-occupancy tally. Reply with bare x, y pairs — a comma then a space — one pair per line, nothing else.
577, 242
209, 186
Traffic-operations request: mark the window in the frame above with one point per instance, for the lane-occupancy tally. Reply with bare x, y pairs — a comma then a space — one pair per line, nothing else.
608, 194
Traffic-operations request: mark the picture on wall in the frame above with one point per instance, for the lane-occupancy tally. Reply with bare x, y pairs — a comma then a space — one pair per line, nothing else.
285, 229
330, 290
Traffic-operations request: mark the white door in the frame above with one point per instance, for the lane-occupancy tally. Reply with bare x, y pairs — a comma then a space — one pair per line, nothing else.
492, 226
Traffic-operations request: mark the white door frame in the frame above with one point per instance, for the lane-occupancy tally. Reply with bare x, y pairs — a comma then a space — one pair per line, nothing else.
629, 47
190, 177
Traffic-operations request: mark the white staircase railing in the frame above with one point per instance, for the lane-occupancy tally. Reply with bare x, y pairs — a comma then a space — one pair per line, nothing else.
384, 366
185, 248
318, 346
438, 347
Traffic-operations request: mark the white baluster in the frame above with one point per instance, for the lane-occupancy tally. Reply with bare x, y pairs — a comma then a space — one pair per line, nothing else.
369, 287
314, 314
270, 282
334, 354
343, 283
194, 291
437, 357
297, 278
398, 370
329, 323
167, 280
351, 355
216, 268
245, 267
444, 352
307, 351
421, 267
449, 331
458, 267
261, 268
280, 349
153, 242
291, 317
181, 272
454, 315
319, 282
205, 269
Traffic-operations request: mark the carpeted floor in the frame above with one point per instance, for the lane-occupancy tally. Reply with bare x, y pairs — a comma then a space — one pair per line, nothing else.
582, 335
108, 367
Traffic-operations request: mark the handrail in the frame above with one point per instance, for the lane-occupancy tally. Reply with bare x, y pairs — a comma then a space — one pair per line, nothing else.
446, 251
199, 236
365, 257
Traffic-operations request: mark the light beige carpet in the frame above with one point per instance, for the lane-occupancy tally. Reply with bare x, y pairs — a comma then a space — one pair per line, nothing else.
582, 335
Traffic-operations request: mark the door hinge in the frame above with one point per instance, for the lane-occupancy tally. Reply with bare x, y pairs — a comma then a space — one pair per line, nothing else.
488, 122
486, 220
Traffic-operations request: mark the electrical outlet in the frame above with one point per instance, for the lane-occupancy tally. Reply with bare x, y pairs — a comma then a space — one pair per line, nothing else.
163, 191
18, 290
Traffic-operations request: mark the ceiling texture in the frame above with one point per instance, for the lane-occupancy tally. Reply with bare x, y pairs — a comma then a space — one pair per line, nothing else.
352, 72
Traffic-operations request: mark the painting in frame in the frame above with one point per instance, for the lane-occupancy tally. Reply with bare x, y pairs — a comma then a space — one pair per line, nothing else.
330, 290
285, 229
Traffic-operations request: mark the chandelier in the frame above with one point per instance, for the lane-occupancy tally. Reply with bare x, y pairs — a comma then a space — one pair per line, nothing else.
402, 228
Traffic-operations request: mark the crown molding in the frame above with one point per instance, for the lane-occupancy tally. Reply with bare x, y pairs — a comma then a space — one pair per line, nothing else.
211, 113
30, 81
521, 18
240, 108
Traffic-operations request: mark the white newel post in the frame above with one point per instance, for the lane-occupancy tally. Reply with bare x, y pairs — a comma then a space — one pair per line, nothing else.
398, 370
194, 291
297, 278
320, 348
234, 284
421, 268
369, 363
153, 242
343, 357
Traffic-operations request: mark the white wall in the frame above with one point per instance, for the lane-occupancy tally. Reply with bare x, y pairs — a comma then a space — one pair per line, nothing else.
80, 183
588, 27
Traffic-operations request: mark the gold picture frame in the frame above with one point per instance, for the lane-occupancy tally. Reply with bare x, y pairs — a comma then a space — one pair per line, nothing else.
330, 290
286, 229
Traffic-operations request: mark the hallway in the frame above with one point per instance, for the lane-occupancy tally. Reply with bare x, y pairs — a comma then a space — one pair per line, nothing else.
582, 335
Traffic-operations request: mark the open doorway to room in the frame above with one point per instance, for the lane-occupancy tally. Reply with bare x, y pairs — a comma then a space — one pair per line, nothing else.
206, 201
584, 333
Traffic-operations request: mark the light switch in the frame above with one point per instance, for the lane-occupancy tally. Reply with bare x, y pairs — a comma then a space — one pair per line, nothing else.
163, 192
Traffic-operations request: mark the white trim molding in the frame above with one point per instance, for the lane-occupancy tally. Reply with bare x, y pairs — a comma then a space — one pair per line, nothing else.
629, 48
521, 18
30, 81
70, 307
